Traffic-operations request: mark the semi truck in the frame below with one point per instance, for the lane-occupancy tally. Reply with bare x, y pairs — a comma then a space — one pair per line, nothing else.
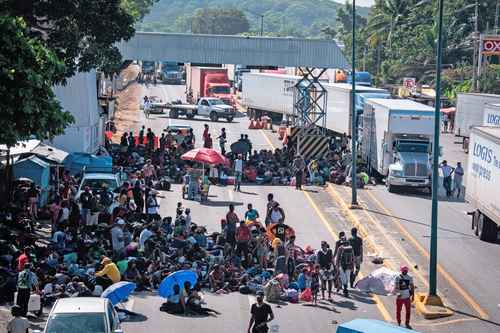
208, 82
171, 72
470, 112
148, 71
483, 181
273, 94
397, 142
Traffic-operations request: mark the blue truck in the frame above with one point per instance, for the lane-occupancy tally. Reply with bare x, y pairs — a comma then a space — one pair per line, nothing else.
171, 72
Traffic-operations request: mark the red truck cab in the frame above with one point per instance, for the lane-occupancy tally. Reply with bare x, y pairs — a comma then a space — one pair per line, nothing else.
210, 82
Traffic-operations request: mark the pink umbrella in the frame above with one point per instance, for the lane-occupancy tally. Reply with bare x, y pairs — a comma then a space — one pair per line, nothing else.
205, 156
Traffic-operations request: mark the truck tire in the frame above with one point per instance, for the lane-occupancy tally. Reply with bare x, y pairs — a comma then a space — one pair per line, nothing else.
174, 113
214, 116
229, 119
189, 115
475, 221
391, 188
488, 230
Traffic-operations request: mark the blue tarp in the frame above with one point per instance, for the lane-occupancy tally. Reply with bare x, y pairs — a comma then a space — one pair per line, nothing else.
37, 170
370, 326
76, 162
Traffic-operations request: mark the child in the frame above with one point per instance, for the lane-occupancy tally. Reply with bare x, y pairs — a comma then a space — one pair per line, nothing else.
315, 284
17, 324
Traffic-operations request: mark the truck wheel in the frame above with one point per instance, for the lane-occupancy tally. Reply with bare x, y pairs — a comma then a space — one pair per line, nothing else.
174, 114
391, 188
229, 119
475, 222
488, 230
214, 117
189, 116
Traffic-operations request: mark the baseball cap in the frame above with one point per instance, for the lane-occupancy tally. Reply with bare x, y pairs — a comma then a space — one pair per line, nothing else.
260, 293
120, 222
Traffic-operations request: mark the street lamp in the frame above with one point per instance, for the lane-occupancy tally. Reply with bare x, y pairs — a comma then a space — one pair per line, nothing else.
354, 129
435, 161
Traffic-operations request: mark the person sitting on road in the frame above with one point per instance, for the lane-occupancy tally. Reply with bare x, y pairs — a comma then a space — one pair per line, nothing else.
216, 279
108, 275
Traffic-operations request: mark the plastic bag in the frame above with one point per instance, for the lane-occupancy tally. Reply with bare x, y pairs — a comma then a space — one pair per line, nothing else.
306, 295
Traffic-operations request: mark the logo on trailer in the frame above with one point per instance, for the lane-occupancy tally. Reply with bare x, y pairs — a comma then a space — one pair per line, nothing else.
490, 45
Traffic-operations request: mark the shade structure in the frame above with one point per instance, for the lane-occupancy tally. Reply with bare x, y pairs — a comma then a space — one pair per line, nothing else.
119, 292
206, 156
180, 277
370, 326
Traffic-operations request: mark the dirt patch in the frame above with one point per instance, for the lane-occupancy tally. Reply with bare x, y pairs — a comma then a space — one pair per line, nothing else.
127, 114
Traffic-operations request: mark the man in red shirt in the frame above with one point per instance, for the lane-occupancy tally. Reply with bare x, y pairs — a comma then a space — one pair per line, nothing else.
23, 259
242, 239
205, 133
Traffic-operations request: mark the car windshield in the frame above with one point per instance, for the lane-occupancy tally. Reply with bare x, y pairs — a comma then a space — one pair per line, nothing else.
96, 184
76, 323
220, 90
216, 102
412, 147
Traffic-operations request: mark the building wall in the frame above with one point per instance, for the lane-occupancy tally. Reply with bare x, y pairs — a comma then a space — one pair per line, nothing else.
79, 96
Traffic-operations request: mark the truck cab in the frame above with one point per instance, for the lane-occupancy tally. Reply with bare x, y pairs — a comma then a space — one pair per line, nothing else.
411, 165
217, 85
215, 108
171, 72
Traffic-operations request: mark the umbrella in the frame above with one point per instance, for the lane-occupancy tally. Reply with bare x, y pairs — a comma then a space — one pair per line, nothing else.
205, 156
119, 292
240, 147
167, 285
370, 326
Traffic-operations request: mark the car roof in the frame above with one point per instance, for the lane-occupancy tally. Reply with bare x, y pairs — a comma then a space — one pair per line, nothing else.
80, 305
99, 176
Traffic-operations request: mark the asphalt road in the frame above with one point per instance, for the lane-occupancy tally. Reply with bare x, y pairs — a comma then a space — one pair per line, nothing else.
395, 226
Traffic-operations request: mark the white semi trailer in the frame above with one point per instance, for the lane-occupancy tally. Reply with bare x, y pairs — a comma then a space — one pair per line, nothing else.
483, 181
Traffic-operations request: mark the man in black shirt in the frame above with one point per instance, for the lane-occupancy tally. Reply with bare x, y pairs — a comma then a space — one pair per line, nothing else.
86, 202
357, 246
261, 315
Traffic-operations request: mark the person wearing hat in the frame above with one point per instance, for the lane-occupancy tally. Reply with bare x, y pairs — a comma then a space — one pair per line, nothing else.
404, 289
261, 315
108, 275
117, 237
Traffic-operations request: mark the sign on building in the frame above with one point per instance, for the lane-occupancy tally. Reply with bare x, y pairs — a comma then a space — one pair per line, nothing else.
490, 45
410, 84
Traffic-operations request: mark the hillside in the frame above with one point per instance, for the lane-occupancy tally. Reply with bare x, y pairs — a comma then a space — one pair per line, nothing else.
298, 18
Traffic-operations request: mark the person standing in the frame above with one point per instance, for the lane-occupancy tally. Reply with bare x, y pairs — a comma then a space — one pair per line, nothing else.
26, 282
230, 228
405, 289
444, 118
205, 134
298, 167
261, 315
345, 263
357, 246
324, 258
18, 324
458, 178
269, 208
447, 173
117, 237
238, 172
222, 141
86, 202
243, 237
33, 195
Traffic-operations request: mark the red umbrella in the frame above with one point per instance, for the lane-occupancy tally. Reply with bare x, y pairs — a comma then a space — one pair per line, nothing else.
206, 156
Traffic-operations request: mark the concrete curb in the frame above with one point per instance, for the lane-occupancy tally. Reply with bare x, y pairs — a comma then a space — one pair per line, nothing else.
431, 307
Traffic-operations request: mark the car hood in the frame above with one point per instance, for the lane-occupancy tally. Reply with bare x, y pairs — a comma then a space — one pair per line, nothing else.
224, 107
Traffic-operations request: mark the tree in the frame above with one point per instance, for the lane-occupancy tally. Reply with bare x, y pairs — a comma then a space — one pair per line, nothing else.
219, 21
28, 70
81, 33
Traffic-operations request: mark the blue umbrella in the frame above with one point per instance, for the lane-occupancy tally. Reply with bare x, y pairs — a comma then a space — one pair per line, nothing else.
119, 292
167, 285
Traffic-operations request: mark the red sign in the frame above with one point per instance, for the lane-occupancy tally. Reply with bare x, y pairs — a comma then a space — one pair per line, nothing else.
490, 45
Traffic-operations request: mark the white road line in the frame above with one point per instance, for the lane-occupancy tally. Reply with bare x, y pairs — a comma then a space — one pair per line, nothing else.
231, 195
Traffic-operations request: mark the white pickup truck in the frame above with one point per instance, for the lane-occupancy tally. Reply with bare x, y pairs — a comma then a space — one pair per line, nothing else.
209, 107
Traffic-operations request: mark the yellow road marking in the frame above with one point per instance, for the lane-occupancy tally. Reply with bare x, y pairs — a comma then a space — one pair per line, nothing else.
378, 302
482, 313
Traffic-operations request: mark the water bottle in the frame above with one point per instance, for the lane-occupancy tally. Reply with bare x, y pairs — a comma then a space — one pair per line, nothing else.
275, 328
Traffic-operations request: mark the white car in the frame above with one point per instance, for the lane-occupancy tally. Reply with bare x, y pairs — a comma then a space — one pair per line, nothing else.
96, 180
82, 315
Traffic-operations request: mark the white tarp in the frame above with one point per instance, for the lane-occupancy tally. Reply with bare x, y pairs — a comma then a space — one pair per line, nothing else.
381, 281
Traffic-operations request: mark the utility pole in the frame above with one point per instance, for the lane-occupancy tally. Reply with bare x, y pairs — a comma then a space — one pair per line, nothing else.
435, 158
475, 52
261, 25
354, 125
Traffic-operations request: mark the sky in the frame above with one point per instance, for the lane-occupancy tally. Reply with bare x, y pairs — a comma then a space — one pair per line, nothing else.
364, 3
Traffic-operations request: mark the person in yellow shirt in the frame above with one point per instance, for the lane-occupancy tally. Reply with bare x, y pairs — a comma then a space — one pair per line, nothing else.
108, 275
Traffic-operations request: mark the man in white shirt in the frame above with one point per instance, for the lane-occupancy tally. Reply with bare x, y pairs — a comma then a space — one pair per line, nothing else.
117, 237
447, 172
143, 237
238, 172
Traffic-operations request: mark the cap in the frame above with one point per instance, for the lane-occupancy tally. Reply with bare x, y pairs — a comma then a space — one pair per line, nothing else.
120, 222
260, 293
404, 269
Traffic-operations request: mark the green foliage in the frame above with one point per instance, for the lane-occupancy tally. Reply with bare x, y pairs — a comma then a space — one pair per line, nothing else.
218, 21
138, 8
28, 70
82, 33
298, 18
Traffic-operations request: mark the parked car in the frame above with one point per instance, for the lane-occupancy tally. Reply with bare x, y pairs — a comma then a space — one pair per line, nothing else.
82, 315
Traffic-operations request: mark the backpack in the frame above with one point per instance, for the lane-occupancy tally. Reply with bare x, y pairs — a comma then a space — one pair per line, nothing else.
347, 258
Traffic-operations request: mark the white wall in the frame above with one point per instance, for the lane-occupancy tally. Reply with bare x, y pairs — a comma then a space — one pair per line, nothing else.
79, 96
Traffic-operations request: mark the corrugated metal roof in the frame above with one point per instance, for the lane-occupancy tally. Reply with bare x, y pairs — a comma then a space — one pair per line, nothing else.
215, 49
